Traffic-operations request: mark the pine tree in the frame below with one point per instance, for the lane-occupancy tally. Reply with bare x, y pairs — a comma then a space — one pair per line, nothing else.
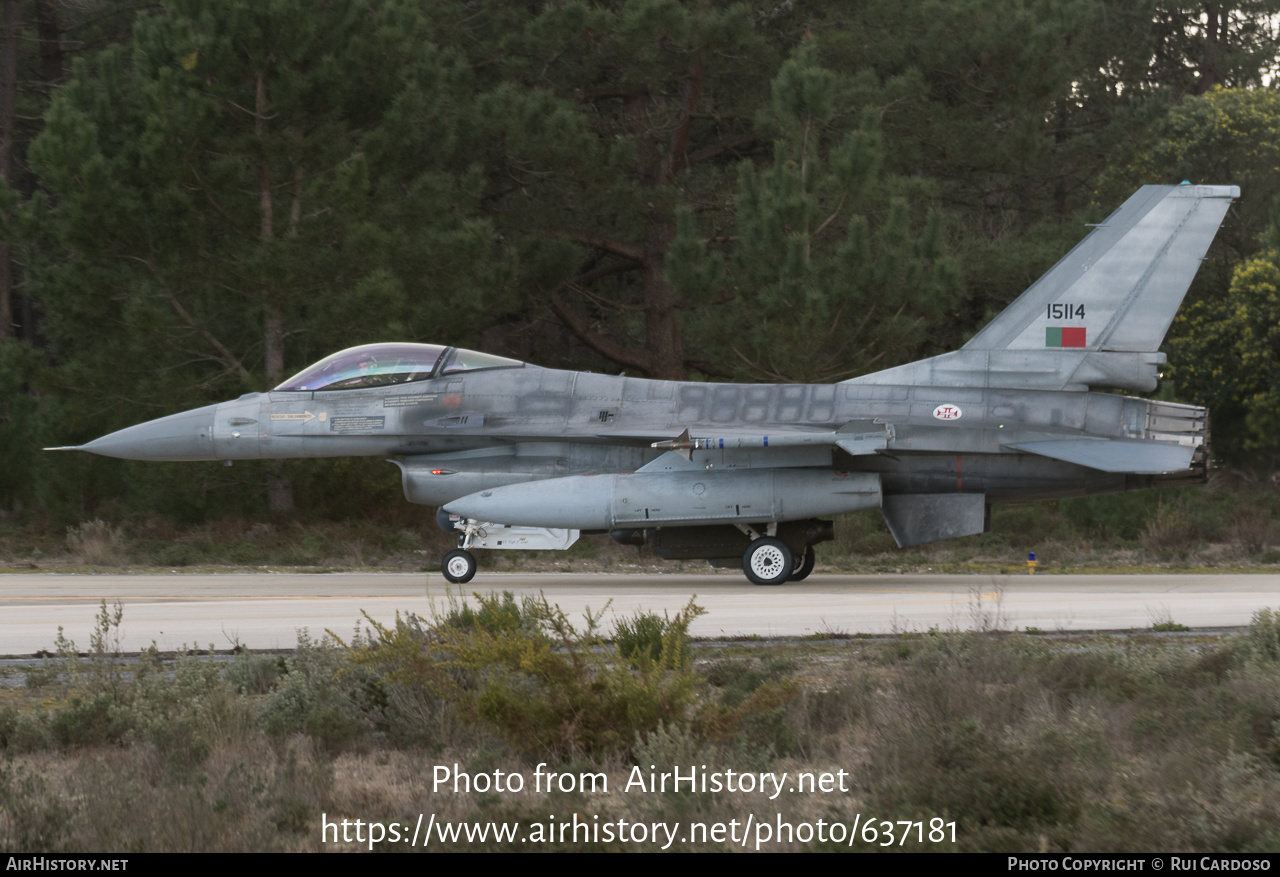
236, 182
833, 269
606, 119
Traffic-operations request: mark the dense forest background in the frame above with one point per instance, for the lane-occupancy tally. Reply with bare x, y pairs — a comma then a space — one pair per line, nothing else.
199, 199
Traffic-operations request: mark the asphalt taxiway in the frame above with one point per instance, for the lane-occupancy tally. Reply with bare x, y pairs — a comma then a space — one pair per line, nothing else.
267, 610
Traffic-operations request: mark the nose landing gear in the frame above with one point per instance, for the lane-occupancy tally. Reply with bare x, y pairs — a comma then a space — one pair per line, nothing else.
458, 566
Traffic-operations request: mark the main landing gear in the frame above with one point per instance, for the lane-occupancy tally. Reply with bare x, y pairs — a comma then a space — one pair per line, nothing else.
768, 561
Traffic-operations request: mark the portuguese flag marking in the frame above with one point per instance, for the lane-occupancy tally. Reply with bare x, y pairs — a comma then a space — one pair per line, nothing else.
1064, 336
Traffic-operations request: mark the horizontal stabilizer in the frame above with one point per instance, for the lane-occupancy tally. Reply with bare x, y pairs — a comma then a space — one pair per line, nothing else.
1110, 455
914, 519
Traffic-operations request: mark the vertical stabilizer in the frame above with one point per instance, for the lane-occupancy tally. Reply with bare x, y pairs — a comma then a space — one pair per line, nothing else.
1120, 287
1096, 318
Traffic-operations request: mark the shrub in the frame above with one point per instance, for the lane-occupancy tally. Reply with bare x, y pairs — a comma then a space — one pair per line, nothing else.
319, 695
21, 731
1263, 637
494, 615
1252, 529
255, 674
185, 716
95, 542
670, 745
89, 722
1170, 530
644, 638
30, 818
546, 686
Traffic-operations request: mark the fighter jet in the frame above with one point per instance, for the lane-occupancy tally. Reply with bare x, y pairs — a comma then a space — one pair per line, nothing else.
516, 456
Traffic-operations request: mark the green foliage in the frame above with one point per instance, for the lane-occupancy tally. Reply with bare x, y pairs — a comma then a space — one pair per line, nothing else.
495, 615
250, 186
1109, 744
835, 270
95, 541
186, 716
114, 702
319, 695
531, 683
103, 672
1012, 733
739, 679
31, 820
20, 421
17, 733
1222, 137
549, 688
1263, 637
252, 673
670, 744
757, 712
1224, 355
1222, 343
647, 639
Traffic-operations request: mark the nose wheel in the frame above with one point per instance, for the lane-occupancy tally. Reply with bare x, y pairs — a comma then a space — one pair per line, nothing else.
458, 566
768, 561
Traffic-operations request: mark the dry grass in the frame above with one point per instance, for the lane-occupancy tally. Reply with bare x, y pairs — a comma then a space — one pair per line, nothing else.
1028, 743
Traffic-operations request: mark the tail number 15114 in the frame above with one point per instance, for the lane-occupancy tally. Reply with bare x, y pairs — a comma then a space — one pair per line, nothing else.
1065, 312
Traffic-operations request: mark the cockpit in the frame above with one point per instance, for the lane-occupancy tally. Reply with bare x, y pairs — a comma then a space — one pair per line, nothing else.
381, 365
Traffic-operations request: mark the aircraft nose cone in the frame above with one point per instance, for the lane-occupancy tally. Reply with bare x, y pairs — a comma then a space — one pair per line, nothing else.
185, 436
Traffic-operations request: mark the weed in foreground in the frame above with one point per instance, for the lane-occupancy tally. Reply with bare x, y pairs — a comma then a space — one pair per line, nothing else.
548, 687
95, 542
645, 639
1263, 637
319, 695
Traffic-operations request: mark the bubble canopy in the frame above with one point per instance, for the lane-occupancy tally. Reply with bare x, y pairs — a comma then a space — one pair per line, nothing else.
381, 365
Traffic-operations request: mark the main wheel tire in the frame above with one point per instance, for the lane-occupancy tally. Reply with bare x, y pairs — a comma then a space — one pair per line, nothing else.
458, 566
804, 565
767, 561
